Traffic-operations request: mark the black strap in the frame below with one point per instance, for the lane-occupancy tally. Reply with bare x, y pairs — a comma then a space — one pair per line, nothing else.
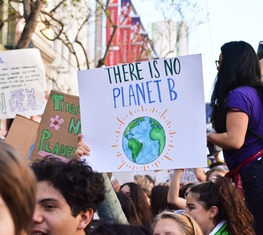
249, 129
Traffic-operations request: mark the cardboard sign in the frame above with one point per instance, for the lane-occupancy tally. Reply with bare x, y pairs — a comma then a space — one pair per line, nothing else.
144, 115
59, 127
22, 83
22, 135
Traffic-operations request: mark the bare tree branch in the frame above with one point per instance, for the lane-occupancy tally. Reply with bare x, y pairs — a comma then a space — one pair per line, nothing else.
30, 26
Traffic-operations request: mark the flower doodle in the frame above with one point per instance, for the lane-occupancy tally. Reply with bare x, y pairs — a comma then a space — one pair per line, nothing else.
56, 122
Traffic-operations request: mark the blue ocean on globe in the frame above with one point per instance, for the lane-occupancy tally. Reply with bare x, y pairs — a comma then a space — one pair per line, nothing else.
143, 140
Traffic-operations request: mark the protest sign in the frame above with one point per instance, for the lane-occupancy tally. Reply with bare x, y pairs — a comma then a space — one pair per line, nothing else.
144, 115
59, 127
22, 83
22, 135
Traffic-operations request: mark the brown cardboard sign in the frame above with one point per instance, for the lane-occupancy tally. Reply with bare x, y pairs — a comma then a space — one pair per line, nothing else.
22, 135
59, 127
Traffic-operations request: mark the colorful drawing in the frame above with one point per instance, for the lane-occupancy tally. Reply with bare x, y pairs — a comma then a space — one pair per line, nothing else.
146, 139
56, 122
59, 127
141, 116
143, 140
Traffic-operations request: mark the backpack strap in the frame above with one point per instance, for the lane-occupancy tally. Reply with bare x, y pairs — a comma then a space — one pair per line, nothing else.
249, 129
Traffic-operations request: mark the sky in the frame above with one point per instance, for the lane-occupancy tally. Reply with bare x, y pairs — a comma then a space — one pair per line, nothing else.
228, 20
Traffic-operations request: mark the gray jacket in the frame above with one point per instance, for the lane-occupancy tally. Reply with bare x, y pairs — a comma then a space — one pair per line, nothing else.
110, 211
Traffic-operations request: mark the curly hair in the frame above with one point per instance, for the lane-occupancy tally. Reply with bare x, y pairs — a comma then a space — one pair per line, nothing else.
81, 187
239, 67
139, 200
231, 206
187, 224
17, 188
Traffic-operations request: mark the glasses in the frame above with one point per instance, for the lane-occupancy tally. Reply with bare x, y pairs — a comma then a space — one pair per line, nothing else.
218, 63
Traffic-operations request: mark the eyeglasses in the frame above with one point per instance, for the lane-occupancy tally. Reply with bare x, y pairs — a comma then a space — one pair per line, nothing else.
218, 63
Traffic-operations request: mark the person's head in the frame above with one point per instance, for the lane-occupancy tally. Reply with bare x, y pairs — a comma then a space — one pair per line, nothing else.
239, 63
129, 209
185, 189
152, 181
139, 199
209, 203
238, 66
17, 193
171, 223
123, 229
68, 194
159, 199
216, 164
215, 171
145, 184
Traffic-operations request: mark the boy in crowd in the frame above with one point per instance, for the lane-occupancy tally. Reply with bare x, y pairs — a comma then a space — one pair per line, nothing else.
68, 194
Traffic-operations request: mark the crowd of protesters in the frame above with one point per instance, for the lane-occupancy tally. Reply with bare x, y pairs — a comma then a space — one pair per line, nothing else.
54, 197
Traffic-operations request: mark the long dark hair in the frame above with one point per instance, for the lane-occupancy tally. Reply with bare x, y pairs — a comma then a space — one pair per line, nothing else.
159, 200
129, 209
140, 202
239, 67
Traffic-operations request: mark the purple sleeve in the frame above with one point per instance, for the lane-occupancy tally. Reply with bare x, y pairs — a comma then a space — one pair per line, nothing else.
240, 101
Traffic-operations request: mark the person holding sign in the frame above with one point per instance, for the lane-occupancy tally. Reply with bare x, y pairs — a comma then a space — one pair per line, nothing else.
237, 119
110, 211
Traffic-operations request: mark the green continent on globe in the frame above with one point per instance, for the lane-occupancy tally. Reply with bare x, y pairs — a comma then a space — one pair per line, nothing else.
135, 146
133, 124
157, 133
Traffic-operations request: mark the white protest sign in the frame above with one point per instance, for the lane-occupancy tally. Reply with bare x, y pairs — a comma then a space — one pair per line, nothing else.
145, 115
22, 83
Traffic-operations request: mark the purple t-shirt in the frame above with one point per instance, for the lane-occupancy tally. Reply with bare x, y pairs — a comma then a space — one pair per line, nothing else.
247, 100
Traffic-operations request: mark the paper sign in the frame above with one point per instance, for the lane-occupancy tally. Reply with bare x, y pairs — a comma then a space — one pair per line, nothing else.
22, 83
59, 127
22, 135
145, 115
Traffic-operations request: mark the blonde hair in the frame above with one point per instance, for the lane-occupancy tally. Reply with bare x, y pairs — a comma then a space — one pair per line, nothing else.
144, 182
186, 222
17, 188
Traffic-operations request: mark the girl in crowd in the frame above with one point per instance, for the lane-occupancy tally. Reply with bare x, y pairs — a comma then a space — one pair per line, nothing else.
215, 171
213, 204
129, 209
219, 209
171, 223
237, 119
184, 190
139, 199
17, 193
159, 200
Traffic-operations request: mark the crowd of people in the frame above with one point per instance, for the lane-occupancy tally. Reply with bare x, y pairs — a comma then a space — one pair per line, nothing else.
52, 197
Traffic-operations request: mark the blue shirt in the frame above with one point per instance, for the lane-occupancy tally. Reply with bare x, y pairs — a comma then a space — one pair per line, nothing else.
247, 100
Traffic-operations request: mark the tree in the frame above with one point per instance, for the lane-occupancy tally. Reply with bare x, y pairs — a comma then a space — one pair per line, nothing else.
179, 18
54, 19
